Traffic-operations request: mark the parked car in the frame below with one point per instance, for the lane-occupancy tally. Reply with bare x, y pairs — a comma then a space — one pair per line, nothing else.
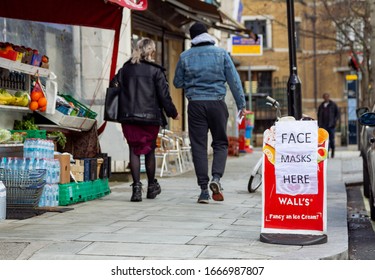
367, 120
364, 144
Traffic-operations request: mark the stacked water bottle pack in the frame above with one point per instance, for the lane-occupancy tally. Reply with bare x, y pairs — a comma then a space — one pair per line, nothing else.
52, 166
42, 151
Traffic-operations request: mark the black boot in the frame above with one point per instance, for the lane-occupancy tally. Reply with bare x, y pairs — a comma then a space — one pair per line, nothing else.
137, 192
153, 189
333, 153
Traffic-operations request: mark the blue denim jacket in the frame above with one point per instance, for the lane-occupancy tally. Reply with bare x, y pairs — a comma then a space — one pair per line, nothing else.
203, 71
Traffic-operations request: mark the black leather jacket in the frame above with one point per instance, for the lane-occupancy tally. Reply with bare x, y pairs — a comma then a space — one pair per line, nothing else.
145, 94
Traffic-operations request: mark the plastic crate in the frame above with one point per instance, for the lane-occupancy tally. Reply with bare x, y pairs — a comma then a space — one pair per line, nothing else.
84, 111
72, 193
101, 187
41, 134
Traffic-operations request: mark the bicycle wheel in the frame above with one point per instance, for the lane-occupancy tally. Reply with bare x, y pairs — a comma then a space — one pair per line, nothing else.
255, 180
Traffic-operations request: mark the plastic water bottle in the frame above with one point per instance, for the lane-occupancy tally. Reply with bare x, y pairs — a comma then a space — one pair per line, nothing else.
42, 200
47, 189
3, 201
11, 163
55, 194
4, 163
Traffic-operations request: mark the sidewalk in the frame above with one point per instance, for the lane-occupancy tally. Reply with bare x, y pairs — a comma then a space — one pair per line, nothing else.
174, 226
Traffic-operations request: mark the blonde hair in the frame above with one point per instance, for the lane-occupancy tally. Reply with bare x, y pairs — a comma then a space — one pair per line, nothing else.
144, 50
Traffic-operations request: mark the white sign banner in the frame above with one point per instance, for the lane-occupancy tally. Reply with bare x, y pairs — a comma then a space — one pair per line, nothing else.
296, 166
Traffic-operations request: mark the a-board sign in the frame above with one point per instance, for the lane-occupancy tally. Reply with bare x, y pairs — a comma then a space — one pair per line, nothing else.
294, 178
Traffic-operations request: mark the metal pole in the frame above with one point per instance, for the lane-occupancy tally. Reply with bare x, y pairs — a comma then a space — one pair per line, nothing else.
294, 83
250, 89
314, 61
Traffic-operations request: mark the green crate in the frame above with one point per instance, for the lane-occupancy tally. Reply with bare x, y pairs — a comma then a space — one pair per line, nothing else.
41, 134
68, 194
86, 190
83, 108
72, 193
101, 187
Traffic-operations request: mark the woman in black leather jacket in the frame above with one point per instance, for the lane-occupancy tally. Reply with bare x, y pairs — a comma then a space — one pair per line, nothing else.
144, 97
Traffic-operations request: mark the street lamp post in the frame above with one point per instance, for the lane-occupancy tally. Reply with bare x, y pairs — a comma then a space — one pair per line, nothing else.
294, 83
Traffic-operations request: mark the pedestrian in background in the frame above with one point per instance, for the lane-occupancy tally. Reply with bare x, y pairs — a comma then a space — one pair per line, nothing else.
203, 71
144, 96
328, 114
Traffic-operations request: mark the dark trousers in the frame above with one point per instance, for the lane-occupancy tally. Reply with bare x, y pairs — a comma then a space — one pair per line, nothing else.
204, 116
331, 132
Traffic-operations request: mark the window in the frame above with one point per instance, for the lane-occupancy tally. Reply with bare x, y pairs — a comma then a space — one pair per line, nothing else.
260, 25
264, 81
298, 35
350, 33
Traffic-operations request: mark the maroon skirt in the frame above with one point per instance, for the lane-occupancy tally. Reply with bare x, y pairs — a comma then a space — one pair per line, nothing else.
141, 138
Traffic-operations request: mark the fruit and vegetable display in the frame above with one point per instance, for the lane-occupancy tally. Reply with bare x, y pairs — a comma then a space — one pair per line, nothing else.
27, 123
38, 99
19, 98
5, 135
23, 54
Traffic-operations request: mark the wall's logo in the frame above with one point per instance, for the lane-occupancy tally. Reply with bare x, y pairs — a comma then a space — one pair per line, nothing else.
139, 5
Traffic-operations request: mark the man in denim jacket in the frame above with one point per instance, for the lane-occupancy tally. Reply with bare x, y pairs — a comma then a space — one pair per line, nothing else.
203, 71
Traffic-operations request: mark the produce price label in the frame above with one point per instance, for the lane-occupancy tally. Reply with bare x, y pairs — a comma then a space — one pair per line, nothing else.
294, 181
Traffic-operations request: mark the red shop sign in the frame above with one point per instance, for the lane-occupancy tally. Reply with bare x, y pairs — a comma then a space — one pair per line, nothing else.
139, 5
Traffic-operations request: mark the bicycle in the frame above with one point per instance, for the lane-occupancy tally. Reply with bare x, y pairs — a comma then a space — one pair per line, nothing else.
255, 180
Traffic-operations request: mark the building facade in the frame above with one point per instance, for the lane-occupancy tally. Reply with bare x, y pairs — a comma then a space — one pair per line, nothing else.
322, 64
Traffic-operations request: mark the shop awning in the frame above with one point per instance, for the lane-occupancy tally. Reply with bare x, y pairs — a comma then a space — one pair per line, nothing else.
195, 10
176, 15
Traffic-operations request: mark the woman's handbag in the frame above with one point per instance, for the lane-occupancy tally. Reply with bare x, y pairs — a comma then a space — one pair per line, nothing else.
112, 99
111, 104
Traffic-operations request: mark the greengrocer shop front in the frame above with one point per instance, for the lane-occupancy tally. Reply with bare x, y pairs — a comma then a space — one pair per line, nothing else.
80, 40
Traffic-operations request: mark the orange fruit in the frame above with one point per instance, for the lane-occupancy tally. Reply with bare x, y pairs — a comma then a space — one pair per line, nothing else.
322, 135
43, 109
33, 105
42, 101
35, 95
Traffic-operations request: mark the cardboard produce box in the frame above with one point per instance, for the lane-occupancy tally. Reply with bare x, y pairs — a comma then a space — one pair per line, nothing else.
85, 169
78, 170
64, 160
